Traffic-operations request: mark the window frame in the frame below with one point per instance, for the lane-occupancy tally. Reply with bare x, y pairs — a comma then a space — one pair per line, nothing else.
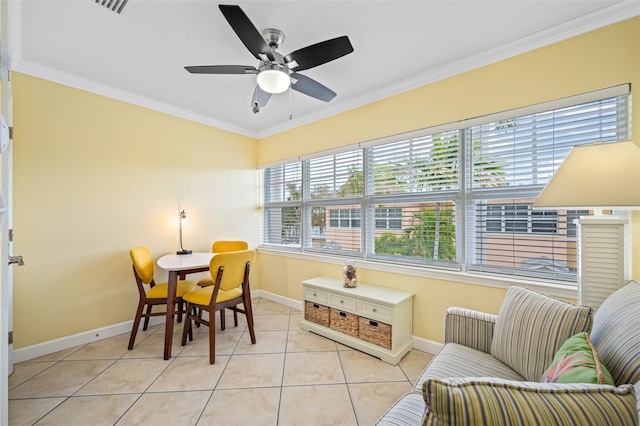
368, 200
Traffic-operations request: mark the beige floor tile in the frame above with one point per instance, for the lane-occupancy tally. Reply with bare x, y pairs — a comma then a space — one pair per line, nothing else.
316, 405
312, 368
305, 341
414, 363
28, 411
170, 408
266, 342
61, 379
271, 322
294, 321
240, 407
110, 348
26, 370
253, 371
270, 308
57, 356
226, 343
153, 347
190, 373
360, 367
372, 400
89, 410
126, 376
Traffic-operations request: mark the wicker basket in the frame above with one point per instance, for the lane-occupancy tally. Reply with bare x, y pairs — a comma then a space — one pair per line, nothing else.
317, 313
344, 322
374, 332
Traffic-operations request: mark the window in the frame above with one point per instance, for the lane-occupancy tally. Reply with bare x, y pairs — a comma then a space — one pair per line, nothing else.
457, 196
283, 196
344, 218
520, 218
388, 218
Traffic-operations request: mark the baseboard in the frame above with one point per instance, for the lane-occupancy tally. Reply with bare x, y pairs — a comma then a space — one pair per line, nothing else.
426, 345
286, 301
52, 346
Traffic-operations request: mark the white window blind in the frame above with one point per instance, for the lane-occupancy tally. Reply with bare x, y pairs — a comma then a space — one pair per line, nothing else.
511, 162
414, 191
283, 204
334, 199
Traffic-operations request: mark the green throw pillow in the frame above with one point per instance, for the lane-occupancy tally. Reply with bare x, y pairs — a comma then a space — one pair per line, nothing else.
577, 362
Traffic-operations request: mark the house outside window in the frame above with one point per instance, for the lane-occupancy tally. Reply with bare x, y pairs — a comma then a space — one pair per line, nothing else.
456, 196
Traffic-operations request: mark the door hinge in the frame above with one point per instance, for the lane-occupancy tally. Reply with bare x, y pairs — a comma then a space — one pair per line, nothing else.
11, 235
11, 337
11, 132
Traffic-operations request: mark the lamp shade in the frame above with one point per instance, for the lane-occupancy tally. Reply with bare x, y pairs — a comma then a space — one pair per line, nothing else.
604, 175
273, 80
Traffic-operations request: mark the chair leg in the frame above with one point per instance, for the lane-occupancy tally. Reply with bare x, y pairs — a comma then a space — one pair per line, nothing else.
186, 330
136, 324
222, 319
180, 310
248, 311
146, 318
235, 316
212, 337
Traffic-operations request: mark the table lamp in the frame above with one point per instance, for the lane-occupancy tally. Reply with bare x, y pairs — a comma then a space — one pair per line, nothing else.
183, 218
597, 177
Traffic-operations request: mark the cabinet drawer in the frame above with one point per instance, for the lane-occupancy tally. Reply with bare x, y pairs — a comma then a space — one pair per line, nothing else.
315, 295
344, 303
375, 311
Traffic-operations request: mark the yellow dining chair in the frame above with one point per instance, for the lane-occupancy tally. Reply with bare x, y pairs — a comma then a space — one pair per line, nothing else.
230, 273
157, 293
224, 246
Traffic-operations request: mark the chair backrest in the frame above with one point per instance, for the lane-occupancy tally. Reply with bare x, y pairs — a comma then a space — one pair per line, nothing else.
224, 246
142, 263
234, 268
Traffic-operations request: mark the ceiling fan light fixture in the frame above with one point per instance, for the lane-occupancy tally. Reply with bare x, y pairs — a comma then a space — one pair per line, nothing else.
273, 80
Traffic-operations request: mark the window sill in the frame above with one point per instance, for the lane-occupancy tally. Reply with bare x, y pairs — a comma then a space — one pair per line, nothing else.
486, 280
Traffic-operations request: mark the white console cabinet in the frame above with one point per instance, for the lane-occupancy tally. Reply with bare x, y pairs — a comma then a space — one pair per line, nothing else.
372, 319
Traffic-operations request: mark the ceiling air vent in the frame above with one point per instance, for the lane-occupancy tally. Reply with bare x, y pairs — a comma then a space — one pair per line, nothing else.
114, 5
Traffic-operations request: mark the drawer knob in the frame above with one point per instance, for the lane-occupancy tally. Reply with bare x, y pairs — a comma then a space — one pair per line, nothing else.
375, 309
341, 301
314, 294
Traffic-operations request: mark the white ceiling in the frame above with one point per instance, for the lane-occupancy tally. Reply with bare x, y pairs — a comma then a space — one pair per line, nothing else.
139, 55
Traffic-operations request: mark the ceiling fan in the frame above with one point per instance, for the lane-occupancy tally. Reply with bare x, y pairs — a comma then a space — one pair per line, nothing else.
275, 72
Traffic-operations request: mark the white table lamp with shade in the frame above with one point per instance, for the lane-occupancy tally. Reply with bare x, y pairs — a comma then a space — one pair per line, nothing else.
597, 177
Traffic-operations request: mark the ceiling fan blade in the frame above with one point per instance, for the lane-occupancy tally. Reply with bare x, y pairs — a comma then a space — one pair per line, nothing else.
318, 54
247, 32
222, 69
309, 86
260, 96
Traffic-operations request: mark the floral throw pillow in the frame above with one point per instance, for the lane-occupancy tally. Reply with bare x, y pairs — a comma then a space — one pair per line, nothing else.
577, 362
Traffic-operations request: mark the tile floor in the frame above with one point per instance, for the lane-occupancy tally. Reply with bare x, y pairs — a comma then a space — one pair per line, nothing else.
289, 377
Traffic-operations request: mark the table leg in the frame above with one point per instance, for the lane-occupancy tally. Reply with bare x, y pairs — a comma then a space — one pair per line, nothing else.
172, 285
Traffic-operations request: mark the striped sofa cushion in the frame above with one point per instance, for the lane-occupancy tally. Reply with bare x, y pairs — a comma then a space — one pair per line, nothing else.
488, 401
455, 360
616, 333
408, 410
531, 327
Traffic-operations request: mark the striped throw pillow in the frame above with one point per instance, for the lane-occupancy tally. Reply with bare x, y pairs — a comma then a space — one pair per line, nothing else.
531, 327
489, 401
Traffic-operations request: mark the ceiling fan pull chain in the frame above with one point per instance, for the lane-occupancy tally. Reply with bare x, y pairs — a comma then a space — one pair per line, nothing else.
290, 109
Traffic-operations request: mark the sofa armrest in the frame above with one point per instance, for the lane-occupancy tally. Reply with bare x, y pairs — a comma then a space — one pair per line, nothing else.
484, 400
469, 328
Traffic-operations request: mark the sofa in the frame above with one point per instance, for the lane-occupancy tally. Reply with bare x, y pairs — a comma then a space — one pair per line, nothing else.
539, 361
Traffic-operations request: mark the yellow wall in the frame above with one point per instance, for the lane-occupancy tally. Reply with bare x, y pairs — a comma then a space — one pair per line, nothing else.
596, 60
94, 177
